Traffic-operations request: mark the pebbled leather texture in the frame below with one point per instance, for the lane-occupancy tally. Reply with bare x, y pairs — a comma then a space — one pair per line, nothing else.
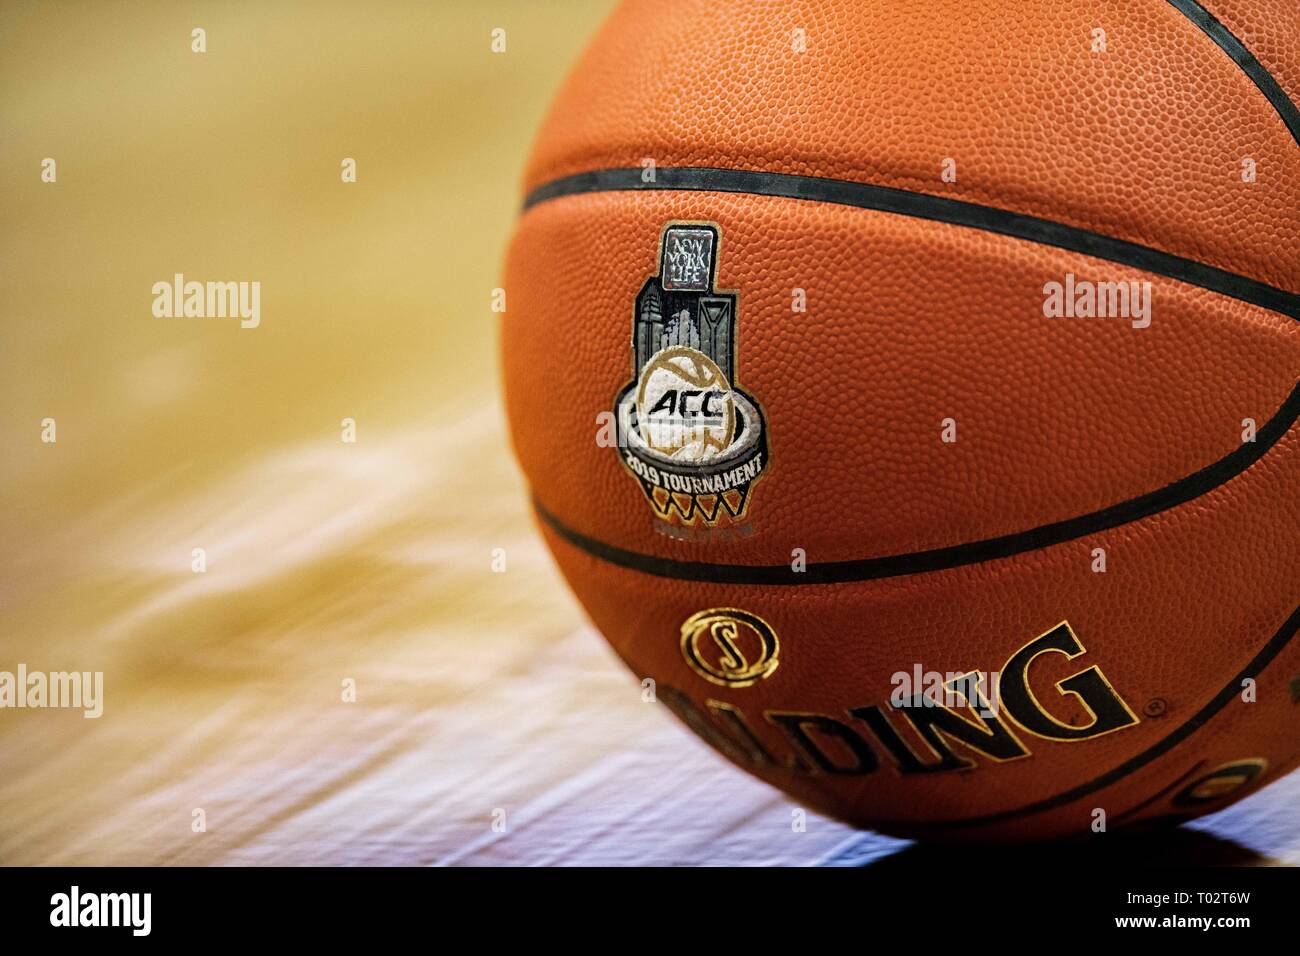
1143, 142
1271, 31
910, 322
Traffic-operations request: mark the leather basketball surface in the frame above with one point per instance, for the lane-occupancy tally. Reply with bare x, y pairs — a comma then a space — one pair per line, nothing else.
890, 462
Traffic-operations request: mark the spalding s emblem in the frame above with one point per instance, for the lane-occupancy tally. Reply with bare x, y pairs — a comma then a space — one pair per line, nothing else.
729, 646
692, 439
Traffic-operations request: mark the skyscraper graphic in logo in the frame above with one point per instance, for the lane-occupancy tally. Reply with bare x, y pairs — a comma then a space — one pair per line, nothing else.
692, 439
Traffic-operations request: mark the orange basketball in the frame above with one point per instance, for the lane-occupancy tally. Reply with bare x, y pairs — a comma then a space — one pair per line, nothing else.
990, 315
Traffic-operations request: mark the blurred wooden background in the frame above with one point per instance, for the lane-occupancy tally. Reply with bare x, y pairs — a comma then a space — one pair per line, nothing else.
327, 561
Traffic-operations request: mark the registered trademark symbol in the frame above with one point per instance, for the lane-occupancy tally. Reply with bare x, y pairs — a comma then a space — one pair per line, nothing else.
1155, 707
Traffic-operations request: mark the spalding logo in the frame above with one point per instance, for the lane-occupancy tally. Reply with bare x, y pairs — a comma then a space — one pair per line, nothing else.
692, 439
729, 646
981, 727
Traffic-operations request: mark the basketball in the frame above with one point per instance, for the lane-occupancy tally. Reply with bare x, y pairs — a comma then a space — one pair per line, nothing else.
908, 391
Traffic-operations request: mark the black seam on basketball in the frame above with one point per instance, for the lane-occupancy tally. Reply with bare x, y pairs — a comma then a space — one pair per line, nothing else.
1227, 41
868, 569
934, 208
1203, 716
1178, 783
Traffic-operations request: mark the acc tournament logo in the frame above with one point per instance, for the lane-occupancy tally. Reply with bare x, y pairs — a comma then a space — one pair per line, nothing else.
694, 441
